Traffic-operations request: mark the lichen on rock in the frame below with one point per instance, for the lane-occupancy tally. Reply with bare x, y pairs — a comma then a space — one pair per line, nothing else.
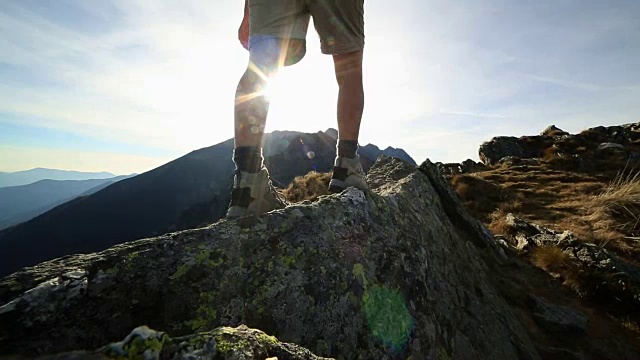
394, 272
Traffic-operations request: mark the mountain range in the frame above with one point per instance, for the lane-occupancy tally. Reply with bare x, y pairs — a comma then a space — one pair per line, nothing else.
24, 202
30, 176
185, 193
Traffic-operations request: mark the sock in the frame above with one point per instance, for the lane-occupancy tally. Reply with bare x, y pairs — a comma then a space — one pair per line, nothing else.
347, 148
248, 158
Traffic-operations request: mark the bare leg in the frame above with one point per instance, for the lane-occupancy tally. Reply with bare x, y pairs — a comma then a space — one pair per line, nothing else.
348, 68
251, 109
251, 106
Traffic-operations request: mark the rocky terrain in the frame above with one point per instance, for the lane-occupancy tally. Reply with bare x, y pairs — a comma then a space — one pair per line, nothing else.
525, 258
569, 205
188, 192
386, 274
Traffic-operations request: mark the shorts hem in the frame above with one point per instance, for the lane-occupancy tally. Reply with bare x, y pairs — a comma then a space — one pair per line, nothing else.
337, 50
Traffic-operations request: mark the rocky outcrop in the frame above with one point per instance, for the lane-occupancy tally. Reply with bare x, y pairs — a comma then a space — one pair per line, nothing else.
554, 142
516, 161
559, 319
596, 271
390, 273
223, 343
186, 193
465, 167
502, 146
553, 130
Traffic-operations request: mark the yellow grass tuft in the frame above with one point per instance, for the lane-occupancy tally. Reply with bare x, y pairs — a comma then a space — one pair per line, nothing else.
616, 210
550, 258
308, 187
498, 224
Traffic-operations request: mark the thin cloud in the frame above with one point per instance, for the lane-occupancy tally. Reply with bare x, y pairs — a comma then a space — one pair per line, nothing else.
472, 114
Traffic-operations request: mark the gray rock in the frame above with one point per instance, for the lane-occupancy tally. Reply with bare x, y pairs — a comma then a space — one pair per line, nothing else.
333, 133
553, 130
223, 343
493, 151
390, 273
557, 318
466, 167
610, 146
609, 276
516, 161
470, 166
561, 144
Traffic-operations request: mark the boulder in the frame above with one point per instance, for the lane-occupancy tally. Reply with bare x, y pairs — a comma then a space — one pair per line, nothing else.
390, 273
223, 343
610, 146
516, 161
602, 273
554, 142
553, 130
493, 151
560, 319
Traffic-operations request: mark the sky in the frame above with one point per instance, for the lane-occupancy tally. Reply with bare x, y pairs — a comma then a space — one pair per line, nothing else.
125, 86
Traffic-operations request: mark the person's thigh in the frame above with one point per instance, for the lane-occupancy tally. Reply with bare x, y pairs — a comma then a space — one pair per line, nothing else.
279, 23
284, 19
340, 24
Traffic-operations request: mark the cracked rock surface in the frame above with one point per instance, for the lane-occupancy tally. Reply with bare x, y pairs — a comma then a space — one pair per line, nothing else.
389, 273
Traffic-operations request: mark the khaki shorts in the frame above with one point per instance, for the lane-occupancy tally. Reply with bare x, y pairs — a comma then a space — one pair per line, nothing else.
340, 23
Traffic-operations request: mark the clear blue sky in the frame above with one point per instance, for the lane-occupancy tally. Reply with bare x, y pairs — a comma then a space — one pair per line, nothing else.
127, 85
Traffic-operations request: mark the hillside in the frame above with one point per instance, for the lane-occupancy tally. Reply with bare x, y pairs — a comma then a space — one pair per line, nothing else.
22, 203
401, 271
569, 205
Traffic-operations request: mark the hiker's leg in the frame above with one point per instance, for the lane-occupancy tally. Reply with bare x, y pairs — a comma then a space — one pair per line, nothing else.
347, 169
251, 106
340, 25
348, 68
253, 193
269, 24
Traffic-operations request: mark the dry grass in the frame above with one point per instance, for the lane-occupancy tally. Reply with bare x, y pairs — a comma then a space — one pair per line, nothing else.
631, 326
498, 224
550, 258
308, 187
592, 200
615, 213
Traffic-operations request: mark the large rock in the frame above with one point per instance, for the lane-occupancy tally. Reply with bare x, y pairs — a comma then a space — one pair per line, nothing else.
186, 193
223, 343
388, 274
553, 130
493, 151
562, 320
602, 274
554, 142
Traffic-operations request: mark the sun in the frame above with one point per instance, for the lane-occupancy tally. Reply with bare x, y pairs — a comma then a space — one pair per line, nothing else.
303, 97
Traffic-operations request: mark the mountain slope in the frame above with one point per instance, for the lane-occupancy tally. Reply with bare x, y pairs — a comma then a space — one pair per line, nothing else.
22, 203
188, 192
37, 174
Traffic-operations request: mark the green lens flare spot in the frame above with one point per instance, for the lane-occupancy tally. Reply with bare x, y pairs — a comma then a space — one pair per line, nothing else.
388, 316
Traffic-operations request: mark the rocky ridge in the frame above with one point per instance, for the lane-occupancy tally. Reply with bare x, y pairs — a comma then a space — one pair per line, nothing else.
391, 273
554, 142
188, 192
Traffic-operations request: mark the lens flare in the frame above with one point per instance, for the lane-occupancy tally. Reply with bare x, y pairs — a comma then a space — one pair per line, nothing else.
388, 316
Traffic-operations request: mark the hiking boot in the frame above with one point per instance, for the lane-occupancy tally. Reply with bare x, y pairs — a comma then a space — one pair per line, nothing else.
253, 194
347, 172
